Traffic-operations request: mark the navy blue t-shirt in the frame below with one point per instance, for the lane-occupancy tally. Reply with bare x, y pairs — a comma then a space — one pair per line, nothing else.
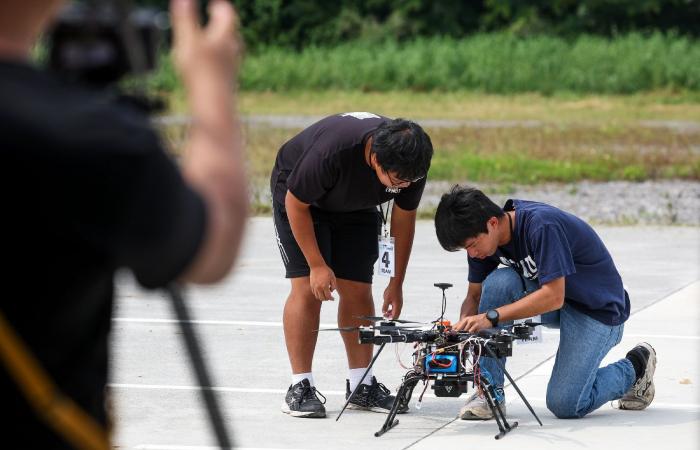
549, 243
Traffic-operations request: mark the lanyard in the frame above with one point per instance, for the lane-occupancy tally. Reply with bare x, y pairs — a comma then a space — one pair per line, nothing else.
385, 217
518, 269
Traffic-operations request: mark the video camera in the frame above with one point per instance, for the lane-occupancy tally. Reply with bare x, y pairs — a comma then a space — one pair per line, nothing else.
100, 42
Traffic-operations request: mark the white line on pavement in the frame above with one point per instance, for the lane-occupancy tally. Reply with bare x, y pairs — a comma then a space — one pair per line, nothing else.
332, 325
197, 447
222, 389
538, 400
212, 322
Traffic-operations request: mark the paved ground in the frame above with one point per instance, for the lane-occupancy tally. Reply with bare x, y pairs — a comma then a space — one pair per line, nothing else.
158, 407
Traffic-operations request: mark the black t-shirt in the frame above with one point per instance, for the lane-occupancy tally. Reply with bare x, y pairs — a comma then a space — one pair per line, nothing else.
87, 189
549, 243
325, 166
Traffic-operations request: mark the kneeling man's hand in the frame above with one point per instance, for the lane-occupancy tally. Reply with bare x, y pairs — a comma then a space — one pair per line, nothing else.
472, 324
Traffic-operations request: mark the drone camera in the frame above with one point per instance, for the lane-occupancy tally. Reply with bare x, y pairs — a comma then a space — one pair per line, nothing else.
453, 387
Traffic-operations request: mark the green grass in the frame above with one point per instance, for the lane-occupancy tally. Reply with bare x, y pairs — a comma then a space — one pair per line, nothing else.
562, 109
551, 153
490, 63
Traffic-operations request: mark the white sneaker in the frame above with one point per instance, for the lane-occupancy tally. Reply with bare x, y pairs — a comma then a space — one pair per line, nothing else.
642, 391
477, 408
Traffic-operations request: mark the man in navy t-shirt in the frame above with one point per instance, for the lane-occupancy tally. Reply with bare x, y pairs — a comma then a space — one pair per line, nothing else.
557, 267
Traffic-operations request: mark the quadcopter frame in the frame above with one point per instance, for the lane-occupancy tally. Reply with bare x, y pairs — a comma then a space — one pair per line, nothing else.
494, 345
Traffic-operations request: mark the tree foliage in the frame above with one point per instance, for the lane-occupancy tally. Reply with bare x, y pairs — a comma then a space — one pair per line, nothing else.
301, 23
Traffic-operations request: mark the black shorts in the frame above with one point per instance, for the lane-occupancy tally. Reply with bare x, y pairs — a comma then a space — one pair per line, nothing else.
347, 241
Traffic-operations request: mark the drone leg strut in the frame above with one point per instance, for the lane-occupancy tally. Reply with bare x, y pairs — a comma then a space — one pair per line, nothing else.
381, 347
403, 396
503, 426
517, 389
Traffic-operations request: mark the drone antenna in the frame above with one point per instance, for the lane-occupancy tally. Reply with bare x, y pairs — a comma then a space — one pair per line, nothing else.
442, 286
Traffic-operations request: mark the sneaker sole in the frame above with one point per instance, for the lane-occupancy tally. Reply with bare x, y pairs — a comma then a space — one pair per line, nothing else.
470, 416
304, 414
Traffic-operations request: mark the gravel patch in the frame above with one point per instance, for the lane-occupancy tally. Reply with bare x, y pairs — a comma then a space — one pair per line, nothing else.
668, 202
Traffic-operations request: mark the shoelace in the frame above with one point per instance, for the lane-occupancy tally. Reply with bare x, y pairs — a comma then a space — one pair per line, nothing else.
378, 391
310, 392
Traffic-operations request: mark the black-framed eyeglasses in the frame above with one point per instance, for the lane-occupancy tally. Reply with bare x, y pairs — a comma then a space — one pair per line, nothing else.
396, 180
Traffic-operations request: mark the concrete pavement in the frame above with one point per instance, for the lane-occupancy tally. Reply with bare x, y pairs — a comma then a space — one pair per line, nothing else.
157, 405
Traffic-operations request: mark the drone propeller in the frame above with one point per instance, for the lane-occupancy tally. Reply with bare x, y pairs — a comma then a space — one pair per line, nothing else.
384, 319
531, 323
339, 329
371, 327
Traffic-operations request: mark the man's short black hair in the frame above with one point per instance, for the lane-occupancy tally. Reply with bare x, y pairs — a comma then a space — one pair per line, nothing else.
462, 214
403, 147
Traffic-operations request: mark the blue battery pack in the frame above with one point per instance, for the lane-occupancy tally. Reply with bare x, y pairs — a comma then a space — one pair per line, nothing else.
441, 363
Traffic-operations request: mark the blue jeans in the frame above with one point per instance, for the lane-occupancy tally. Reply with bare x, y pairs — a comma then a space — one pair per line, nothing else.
577, 385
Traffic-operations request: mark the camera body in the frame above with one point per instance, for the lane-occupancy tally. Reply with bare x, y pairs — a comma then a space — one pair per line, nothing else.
100, 43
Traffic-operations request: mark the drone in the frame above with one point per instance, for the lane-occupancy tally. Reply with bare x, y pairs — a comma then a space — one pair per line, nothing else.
445, 358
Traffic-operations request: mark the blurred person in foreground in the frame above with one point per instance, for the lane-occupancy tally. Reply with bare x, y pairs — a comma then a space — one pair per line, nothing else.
89, 189
326, 184
556, 267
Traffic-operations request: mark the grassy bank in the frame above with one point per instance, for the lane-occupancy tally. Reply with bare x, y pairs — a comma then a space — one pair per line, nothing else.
559, 152
492, 63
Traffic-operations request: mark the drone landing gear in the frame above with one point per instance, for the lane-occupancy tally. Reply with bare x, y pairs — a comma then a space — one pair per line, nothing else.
379, 350
403, 396
503, 426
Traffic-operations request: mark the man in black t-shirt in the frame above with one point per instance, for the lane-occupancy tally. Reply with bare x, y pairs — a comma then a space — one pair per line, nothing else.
558, 268
326, 184
88, 189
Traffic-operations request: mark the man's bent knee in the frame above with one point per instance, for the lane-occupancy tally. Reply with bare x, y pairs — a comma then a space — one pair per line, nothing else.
562, 407
501, 287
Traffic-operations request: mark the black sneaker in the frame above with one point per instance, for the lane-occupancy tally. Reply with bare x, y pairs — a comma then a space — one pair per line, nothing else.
375, 397
302, 401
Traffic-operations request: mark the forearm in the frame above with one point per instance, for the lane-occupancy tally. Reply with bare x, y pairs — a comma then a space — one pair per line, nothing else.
213, 160
470, 305
303, 230
549, 297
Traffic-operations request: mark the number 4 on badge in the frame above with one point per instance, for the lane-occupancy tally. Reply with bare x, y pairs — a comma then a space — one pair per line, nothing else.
386, 262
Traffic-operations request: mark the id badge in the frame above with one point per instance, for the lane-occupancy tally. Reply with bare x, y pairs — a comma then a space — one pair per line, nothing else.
385, 265
536, 337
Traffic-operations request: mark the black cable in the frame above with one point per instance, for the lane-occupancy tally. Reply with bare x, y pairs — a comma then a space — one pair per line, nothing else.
200, 369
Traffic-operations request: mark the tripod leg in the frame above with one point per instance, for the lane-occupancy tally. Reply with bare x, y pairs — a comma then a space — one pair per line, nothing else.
381, 347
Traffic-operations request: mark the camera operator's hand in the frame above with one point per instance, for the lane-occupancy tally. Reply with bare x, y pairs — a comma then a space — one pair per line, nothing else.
208, 54
208, 58
322, 282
